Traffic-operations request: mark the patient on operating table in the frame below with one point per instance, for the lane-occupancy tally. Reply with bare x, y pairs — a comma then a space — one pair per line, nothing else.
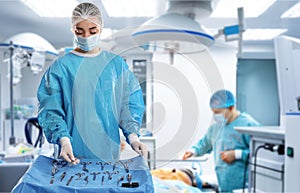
188, 176
184, 175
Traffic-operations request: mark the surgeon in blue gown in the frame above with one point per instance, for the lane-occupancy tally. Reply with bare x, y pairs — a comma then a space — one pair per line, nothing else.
87, 94
230, 148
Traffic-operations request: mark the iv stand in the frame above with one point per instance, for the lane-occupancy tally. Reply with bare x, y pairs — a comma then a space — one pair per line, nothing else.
12, 139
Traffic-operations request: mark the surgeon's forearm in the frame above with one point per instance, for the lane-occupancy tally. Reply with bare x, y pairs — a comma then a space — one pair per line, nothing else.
54, 130
129, 126
202, 147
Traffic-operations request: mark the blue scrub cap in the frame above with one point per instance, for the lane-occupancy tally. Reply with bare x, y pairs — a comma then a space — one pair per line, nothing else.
222, 99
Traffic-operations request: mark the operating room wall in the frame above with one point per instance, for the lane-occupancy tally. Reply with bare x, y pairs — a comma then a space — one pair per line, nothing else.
257, 90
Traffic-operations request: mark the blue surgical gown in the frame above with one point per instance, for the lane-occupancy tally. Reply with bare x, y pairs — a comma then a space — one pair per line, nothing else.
224, 137
88, 98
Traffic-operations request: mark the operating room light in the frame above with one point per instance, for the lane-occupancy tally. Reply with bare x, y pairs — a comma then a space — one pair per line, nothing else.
293, 12
173, 32
252, 8
130, 8
30, 41
51, 8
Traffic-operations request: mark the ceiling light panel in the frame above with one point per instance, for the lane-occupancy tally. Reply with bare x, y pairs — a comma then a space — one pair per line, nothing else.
262, 34
252, 8
293, 12
130, 8
51, 8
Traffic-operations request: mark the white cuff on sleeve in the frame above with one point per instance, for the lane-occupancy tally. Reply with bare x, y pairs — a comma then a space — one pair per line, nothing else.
132, 138
238, 154
193, 151
64, 140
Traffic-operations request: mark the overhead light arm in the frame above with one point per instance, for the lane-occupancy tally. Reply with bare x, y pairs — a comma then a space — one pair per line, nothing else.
234, 32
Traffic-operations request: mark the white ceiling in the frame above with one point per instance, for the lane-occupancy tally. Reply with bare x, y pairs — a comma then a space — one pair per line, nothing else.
16, 18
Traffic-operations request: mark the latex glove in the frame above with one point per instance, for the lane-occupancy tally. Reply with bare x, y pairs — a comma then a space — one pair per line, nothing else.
140, 148
187, 155
67, 151
228, 156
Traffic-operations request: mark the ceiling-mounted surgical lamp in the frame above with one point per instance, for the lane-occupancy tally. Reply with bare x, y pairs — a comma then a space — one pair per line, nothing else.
173, 31
176, 30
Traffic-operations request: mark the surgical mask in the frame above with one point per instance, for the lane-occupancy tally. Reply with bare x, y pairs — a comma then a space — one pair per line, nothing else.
89, 43
220, 118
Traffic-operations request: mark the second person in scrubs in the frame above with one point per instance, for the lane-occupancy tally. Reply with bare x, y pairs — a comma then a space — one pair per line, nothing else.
230, 148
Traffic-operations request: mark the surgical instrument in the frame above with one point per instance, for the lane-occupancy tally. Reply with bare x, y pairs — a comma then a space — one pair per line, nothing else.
95, 174
63, 176
79, 175
101, 164
114, 166
86, 179
130, 184
53, 171
109, 175
129, 178
69, 181
102, 181
54, 167
119, 180
84, 166
125, 164
52, 180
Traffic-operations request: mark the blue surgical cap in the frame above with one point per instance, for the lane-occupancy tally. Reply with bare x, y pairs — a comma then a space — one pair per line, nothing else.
222, 99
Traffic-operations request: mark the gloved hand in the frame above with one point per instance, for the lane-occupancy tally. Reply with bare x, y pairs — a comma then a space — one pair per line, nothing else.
66, 151
137, 146
187, 155
140, 148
